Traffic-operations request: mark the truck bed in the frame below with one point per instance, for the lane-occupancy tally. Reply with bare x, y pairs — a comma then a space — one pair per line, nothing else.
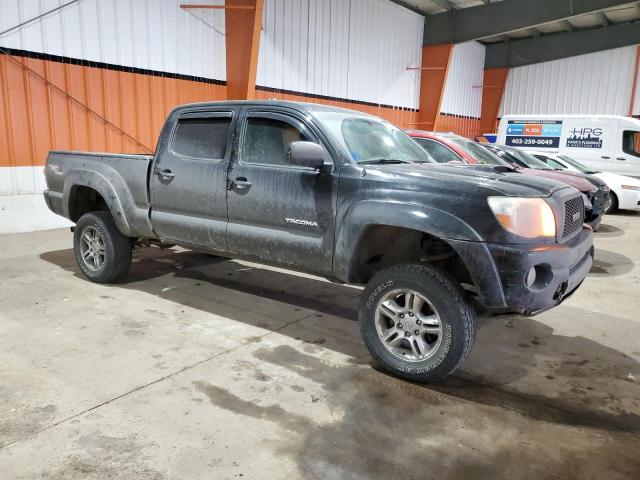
122, 181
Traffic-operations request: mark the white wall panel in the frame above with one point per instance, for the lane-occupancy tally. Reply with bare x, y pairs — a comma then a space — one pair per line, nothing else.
21, 180
596, 83
147, 34
461, 94
355, 49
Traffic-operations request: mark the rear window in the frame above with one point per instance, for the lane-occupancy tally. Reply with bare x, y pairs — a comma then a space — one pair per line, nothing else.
201, 137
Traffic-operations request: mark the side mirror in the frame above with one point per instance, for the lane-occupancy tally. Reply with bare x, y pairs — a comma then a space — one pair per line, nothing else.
306, 154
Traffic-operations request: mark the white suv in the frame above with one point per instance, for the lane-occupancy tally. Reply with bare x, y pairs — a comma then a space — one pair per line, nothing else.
625, 191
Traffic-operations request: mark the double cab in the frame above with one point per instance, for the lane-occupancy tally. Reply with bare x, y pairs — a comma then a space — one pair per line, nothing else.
343, 195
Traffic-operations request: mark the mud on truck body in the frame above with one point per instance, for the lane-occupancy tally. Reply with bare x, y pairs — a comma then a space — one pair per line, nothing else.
342, 195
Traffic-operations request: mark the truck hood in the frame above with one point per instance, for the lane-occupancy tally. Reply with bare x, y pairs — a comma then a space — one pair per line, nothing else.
496, 178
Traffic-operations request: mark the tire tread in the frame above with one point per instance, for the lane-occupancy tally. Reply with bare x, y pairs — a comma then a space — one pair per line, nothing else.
457, 296
119, 265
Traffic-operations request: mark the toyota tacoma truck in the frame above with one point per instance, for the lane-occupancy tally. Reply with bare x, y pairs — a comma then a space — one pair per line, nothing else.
343, 195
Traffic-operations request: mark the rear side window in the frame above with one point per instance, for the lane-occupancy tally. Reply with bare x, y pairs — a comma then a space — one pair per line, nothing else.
438, 151
201, 137
631, 142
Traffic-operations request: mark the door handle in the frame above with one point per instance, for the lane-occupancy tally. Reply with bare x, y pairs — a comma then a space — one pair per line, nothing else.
165, 174
605, 157
240, 184
621, 158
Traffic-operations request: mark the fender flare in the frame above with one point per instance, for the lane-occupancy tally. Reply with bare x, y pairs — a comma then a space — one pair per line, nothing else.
109, 192
430, 220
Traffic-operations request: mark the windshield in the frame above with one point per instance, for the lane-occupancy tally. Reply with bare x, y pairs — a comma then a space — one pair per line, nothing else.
529, 160
370, 139
482, 155
577, 165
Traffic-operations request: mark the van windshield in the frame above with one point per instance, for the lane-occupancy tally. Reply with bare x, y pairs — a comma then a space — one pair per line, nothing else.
371, 140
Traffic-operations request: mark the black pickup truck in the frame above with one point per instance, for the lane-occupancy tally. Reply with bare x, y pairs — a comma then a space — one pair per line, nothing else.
343, 195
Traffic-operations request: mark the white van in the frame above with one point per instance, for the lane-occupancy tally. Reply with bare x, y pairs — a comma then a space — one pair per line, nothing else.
608, 143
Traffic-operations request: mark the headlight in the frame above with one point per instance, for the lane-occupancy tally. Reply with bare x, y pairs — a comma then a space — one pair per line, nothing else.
526, 217
630, 187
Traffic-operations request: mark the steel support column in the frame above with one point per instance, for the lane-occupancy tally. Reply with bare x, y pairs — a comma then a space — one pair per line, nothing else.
243, 25
433, 78
494, 80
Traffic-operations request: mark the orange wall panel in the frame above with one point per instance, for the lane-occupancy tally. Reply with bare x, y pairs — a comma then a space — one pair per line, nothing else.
467, 127
494, 80
48, 105
435, 65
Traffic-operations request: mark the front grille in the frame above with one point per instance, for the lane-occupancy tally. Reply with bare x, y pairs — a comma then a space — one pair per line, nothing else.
573, 216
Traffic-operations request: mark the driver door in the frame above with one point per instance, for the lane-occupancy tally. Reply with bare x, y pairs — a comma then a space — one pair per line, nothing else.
279, 213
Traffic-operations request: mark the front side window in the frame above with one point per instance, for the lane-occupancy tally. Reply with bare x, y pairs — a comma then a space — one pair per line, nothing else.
201, 137
439, 152
267, 140
631, 142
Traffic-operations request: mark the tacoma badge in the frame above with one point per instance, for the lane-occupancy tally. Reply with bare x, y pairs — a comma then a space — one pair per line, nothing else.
298, 221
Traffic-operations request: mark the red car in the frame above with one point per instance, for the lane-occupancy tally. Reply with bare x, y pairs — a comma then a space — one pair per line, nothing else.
449, 147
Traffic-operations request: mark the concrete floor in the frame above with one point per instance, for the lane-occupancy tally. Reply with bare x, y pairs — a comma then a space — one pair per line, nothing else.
201, 368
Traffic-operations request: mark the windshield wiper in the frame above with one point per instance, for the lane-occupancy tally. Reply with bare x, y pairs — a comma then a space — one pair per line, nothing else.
383, 160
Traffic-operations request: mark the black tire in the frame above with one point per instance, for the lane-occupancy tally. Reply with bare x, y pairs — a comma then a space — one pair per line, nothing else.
613, 207
457, 319
117, 248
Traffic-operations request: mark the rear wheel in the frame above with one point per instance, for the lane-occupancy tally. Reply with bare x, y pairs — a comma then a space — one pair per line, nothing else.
416, 322
102, 252
613, 204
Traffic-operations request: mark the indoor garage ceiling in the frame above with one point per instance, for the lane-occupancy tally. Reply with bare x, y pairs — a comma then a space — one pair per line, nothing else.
625, 13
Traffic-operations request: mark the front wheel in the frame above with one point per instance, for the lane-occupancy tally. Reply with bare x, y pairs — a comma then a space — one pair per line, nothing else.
416, 322
102, 252
613, 203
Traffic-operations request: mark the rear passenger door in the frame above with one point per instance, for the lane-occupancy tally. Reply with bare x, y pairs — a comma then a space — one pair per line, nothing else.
189, 177
279, 213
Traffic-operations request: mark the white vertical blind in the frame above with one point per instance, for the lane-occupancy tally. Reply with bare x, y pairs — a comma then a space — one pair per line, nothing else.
148, 34
354, 49
596, 83
462, 95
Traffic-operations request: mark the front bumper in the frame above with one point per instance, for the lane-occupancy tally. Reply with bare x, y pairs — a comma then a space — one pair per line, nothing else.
500, 278
629, 200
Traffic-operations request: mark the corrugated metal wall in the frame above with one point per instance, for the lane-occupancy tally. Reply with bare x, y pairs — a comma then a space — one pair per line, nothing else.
147, 34
462, 96
101, 75
596, 83
347, 49
98, 76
